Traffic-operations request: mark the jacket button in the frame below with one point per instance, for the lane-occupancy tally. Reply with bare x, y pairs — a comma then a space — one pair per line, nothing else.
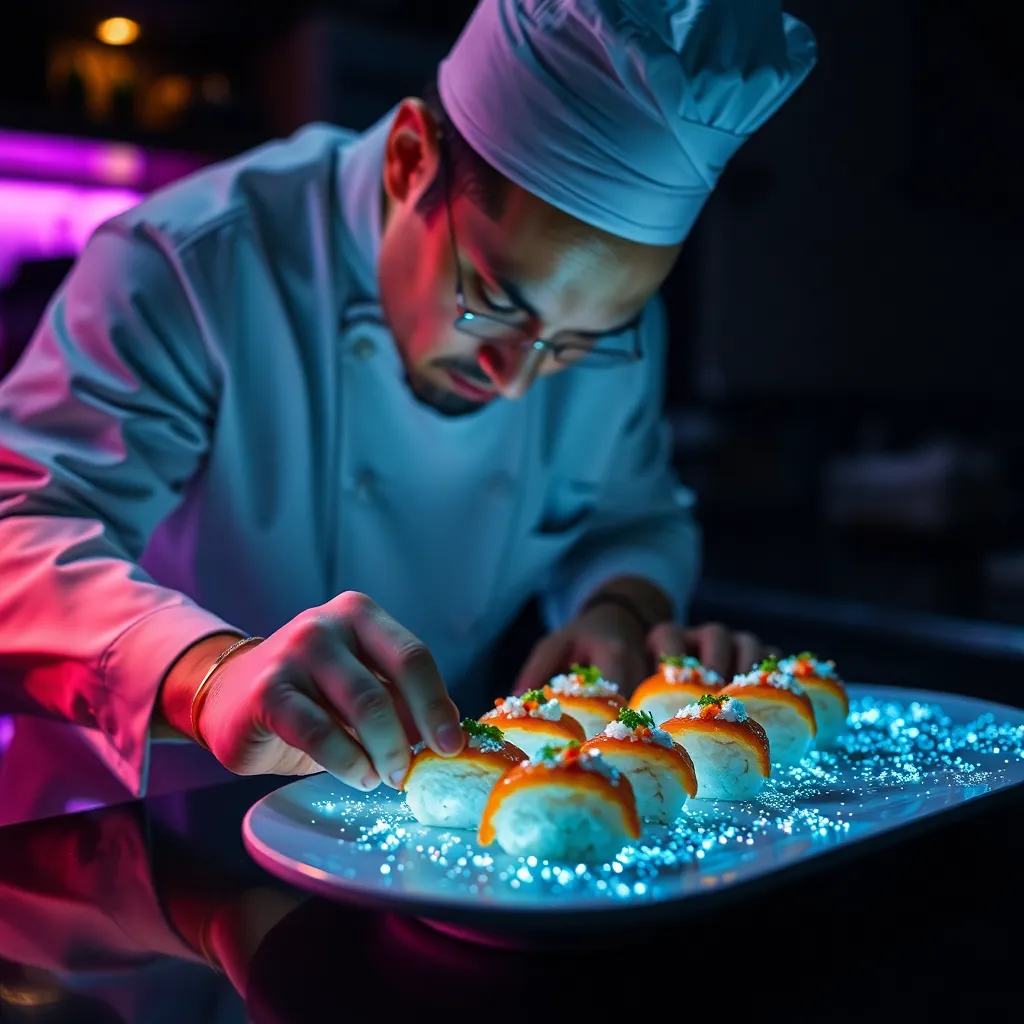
364, 348
365, 484
500, 485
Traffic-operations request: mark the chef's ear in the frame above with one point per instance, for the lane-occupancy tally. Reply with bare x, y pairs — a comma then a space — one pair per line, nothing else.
412, 153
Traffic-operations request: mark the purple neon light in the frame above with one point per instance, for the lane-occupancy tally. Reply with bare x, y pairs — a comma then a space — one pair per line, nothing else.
55, 158
42, 156
48, 220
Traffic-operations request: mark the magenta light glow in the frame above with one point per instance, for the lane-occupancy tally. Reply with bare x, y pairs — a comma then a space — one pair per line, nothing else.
90, 161
49, 220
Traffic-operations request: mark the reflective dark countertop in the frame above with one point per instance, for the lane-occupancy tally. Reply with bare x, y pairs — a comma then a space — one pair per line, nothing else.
152, 911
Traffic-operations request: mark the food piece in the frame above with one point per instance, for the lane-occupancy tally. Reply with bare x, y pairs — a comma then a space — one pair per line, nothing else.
827, 692
532, 720
778, 702
729, 749
659, 769
678, 681
564, 804
452, 791
586, 695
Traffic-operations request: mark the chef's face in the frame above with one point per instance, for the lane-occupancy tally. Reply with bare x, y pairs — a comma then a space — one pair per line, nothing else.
531, 265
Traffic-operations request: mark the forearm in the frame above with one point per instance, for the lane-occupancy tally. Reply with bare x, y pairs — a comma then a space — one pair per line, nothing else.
642, 598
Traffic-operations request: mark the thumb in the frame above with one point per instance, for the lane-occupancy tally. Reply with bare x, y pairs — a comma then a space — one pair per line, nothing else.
546, 660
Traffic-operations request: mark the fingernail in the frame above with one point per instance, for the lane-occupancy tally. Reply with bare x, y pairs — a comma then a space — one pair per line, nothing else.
449, 738
397, 778
370, 781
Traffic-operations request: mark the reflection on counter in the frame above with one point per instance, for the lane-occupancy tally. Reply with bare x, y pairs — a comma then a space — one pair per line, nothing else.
105, 917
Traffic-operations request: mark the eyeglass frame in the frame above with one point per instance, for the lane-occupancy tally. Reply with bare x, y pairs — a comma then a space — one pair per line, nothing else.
526, 344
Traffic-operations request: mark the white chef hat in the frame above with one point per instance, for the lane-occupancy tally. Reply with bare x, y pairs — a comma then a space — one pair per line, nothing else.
623, 113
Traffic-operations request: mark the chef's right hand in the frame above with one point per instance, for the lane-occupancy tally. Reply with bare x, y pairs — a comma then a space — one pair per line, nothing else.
342, 687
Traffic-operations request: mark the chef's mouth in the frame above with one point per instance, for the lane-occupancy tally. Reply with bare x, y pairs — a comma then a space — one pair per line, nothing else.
471, 386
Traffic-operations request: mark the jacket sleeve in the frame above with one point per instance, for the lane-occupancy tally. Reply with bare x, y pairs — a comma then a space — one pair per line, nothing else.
643, 524
104, 421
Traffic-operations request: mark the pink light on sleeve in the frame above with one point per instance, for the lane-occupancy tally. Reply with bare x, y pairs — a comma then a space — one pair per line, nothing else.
49, 220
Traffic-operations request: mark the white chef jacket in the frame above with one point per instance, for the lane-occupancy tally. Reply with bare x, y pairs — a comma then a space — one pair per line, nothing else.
211, 430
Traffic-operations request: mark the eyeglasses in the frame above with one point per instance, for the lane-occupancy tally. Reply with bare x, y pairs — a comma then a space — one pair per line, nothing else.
572, 350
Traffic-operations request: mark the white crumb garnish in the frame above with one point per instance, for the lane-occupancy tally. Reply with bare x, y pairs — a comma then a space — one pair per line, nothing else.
486, 743
574, 685
821, 669
592, 761
730, 710
514, 707
691, 671
776, 679
618, 731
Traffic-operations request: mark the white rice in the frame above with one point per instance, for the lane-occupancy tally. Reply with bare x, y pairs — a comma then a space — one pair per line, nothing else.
451, 792
593, 722
660, 796
557, 821
726, 769
829, 713
789, 736
664, 705
530, 741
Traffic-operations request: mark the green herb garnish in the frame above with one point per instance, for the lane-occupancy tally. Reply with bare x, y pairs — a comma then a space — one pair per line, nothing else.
550, 751
632, 719
770, 664
534, 695
485, 732
680, 661
708, 699
807, 656
590, 674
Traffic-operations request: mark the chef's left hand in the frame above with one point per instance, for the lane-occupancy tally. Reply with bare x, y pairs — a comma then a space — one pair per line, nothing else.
606, 636
717, 646
612, 639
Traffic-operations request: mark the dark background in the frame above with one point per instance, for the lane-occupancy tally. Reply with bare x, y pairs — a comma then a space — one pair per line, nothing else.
844, 384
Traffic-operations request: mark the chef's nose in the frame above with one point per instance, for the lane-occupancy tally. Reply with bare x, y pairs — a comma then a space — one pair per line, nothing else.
512, 369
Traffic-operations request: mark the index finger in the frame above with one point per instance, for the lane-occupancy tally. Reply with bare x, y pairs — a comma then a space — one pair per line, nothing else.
715, 643
405, 662
669, 638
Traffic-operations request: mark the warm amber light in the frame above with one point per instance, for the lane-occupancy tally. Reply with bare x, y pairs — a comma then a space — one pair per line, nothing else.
117, 31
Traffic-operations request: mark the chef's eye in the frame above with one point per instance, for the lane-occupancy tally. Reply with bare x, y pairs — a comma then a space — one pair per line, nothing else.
495, 299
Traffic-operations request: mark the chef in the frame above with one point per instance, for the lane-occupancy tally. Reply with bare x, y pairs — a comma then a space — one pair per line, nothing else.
299, 435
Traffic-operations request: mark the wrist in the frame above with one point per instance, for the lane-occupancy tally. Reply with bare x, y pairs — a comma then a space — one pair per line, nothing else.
645, 603
174, 701
615, 607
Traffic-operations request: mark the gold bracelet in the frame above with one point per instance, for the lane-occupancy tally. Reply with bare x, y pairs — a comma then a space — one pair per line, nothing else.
197, 704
